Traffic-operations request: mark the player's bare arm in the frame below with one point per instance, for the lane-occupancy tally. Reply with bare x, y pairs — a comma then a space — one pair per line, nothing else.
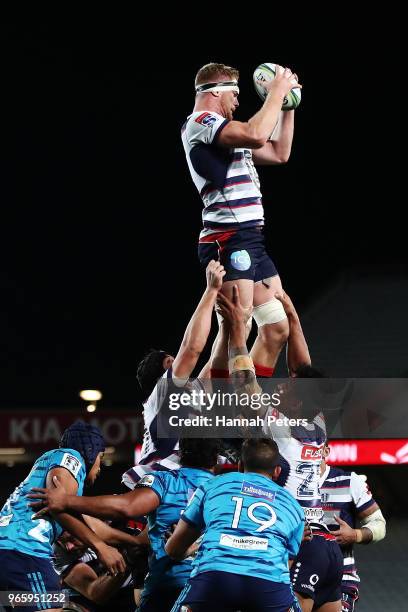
182, 538
255, 133
57, 500
98, 589
277, 150
198, 329
110, 557
297, 352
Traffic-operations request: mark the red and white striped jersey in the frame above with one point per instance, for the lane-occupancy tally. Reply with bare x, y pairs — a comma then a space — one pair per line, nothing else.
226, 179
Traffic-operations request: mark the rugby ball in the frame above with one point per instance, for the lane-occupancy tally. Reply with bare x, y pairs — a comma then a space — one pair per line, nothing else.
264, 74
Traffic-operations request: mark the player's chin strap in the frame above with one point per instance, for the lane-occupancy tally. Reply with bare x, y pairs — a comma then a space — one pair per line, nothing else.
218, 87
375, 522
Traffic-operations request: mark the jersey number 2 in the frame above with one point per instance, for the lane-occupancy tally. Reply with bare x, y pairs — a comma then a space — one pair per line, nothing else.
308, 488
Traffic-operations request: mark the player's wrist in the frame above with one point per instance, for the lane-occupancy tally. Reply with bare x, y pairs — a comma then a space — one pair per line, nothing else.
238, 322
358, 536
67, 502
277, 93
100, 547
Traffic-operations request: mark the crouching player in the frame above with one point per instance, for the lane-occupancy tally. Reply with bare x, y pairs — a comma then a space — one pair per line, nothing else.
251, 527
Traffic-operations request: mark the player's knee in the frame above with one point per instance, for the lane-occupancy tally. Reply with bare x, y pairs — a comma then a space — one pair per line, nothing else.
275, 334
271, 312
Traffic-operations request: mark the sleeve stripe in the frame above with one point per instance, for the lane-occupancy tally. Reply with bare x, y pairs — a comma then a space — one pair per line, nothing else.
219, 130
363, 507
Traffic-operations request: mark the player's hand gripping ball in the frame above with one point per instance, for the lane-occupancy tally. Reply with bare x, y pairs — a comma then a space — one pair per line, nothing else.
266, 73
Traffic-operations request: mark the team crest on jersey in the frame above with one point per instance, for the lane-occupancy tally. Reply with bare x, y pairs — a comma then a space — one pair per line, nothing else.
146, 481
249, 489
206, 119
313, 453
71, 463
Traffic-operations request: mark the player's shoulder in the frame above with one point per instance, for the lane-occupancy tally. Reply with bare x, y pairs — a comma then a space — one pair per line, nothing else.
159, 390
67, 458
336, 472
222, 480
358, 481
204, 118
156, 478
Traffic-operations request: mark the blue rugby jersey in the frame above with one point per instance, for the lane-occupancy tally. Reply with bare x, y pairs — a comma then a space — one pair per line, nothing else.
251, 526
18, 531
174, 489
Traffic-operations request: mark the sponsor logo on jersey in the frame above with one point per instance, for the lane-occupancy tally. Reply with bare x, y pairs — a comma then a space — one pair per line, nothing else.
146, 481
308, 586
206, 119
313, 513
315, 453
240, 260
244, 543
71, 463
5, 520
249, 489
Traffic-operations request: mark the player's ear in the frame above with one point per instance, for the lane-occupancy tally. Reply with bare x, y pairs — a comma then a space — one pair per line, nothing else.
240, 466
276, 472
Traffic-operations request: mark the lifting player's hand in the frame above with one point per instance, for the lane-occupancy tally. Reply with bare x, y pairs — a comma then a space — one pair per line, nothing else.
215, 273
287, 304
232, 310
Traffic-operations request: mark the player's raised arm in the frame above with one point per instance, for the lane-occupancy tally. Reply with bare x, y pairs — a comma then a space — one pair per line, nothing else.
240, 363
297, 352
198, 329
277, 150
257, 130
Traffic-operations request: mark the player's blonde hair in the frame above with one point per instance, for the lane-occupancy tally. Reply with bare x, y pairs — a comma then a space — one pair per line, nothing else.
214, 72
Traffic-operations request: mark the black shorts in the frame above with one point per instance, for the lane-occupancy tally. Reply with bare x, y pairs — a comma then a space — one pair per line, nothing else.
317, 571
242, 254
160, 600
222, 592
36, 575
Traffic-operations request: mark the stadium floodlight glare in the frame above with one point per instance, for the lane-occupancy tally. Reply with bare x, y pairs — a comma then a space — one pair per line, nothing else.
91, 407
90, 395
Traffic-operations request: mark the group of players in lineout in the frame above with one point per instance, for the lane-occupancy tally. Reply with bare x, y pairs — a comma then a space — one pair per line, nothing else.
276, 530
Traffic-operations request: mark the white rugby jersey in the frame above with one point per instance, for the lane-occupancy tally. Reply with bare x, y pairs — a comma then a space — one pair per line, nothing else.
226, 179
155, 449
301, 450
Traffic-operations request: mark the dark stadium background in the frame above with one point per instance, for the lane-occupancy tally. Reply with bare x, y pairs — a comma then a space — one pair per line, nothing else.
100, 218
